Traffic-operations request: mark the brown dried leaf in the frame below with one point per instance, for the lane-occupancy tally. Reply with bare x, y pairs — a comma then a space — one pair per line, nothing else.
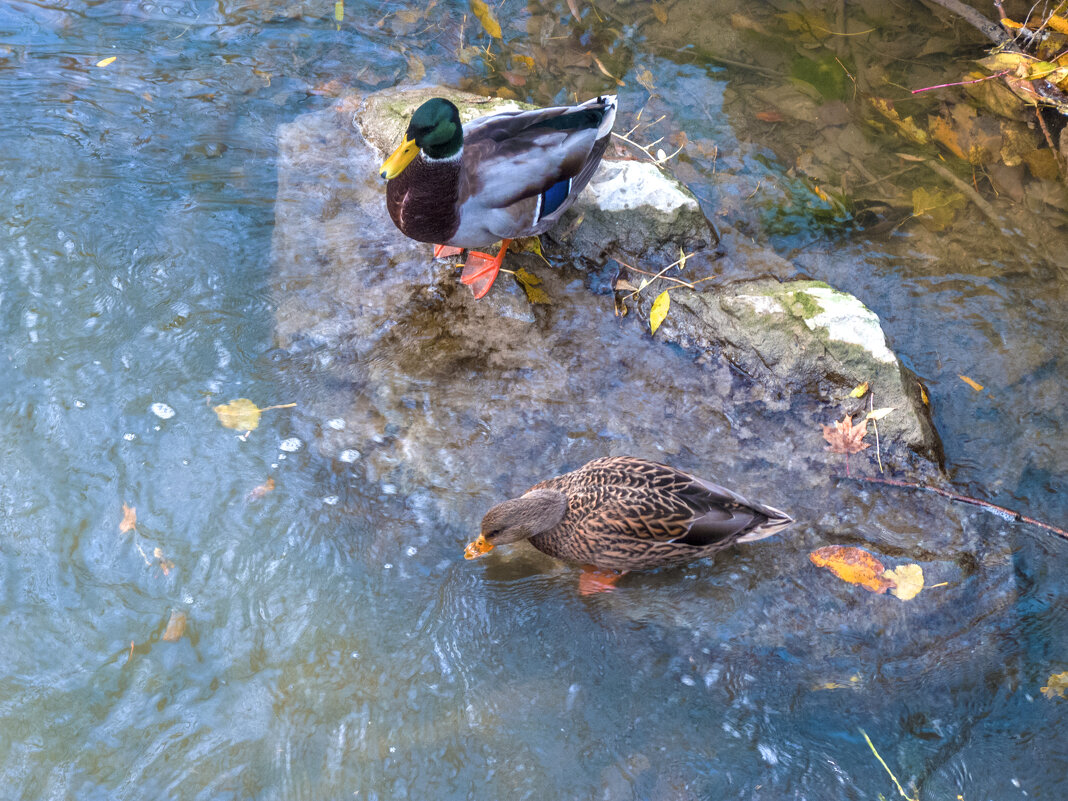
854, 565
175, 627
129, 519
261, 490
166, 565
845, 437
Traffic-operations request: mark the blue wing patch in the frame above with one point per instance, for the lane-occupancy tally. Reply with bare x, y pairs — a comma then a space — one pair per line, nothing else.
552, 198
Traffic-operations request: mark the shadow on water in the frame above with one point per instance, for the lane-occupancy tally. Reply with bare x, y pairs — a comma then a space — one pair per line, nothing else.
337, 644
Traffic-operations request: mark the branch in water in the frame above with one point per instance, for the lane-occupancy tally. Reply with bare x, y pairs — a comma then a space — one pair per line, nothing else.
1008, 514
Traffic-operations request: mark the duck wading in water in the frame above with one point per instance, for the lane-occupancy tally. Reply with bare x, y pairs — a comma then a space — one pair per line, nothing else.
500, 177
621, 513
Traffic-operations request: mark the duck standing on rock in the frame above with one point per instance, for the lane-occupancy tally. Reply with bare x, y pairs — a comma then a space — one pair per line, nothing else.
504, 176
621, 513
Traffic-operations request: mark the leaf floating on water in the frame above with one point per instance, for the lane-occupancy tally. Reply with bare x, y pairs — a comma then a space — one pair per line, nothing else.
908, 581
339, 13
175, 627
859, 390
129, 519
973, 384
242, 414
1056, 685
529, 282
486, 17
659, 310
854, 565
105, 61
845, 437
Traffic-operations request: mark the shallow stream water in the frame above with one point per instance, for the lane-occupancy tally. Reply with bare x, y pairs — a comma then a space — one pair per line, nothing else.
336, 643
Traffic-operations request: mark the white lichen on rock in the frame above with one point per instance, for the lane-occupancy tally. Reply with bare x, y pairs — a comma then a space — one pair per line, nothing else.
622, 185
846, 319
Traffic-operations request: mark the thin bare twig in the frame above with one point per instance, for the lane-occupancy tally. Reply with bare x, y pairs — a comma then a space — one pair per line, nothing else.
1002, 511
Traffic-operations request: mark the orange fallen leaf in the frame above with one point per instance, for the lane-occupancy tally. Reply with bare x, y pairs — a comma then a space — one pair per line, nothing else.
1059, 24
129, 519
175, 627
854, 565
166, 565
846, 437
261, 490
973, 384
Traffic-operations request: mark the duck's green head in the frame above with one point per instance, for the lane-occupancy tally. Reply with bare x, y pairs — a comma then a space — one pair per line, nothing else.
435, 129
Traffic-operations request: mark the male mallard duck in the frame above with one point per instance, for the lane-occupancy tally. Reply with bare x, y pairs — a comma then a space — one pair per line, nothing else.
500, 177
621, 513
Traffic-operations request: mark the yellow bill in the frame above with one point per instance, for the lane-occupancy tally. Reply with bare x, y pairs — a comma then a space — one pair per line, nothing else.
477, 548
399, 159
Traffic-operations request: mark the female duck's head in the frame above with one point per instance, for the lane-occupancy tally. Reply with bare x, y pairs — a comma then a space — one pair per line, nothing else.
435, 129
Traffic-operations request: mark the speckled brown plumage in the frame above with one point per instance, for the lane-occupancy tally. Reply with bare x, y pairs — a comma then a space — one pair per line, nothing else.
625, 513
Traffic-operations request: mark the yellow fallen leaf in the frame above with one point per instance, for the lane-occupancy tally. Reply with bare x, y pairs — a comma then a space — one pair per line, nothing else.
1056, 685
659, 310
923, 396
1011, 24
604, 70
906, 125
878, 414
973, 384
859, 390
529, 282
854, 565
485, 15
909, 581
240, 413
243, 414
175, 627
129, 519
1059, 24
526, 61
339, 12
105, 61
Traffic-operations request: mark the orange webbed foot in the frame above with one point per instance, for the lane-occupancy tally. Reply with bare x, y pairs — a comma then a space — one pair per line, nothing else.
593, 581
481, 270
444, 251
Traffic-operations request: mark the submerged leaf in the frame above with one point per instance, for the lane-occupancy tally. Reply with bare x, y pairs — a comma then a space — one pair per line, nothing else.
129, 519
1056, 685
485, 15
908, 580
240, 413
175, 627
854, 565
973, 384
105, 61
658, 311
859, 390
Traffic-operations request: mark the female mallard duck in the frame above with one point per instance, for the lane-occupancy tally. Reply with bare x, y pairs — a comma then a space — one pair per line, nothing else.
621, 513
500, 177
